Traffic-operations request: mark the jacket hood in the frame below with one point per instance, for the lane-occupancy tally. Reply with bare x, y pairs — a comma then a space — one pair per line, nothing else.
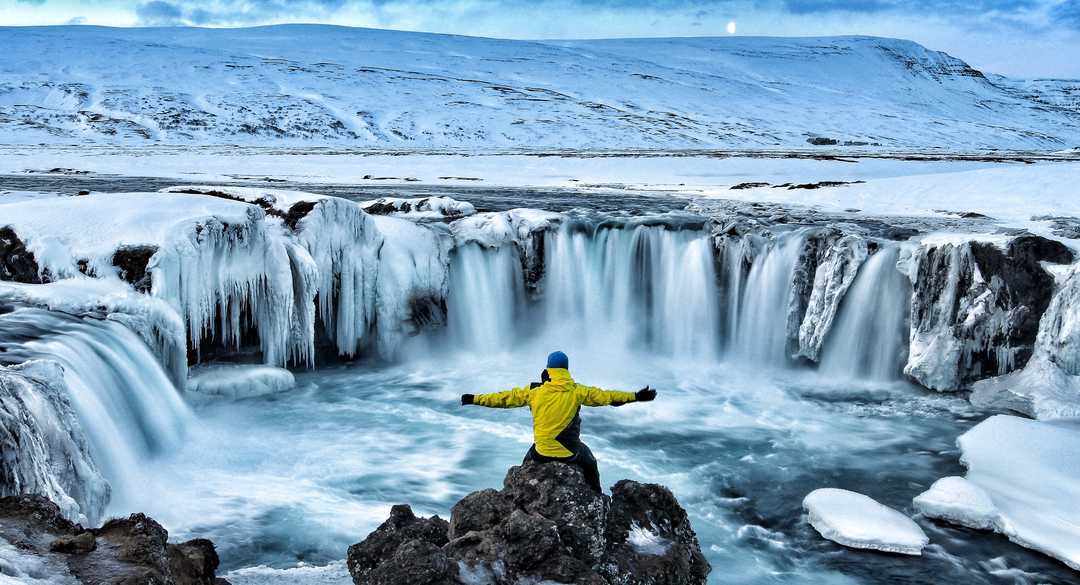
560, 377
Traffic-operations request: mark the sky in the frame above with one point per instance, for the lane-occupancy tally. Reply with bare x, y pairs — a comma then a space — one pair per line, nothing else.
1021, 38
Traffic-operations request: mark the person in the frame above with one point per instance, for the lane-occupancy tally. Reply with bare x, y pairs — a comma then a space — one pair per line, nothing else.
555, 404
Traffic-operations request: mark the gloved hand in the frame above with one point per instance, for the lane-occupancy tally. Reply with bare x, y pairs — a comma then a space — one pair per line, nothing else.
467, 399
645, 394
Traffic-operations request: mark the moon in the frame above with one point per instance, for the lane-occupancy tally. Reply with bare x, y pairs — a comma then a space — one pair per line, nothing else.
731, 27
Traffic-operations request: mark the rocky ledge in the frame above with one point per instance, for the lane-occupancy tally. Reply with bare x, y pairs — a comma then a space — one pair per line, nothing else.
544, 525
38, 543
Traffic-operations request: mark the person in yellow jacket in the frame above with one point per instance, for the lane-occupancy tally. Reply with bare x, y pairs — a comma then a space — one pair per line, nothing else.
555, 404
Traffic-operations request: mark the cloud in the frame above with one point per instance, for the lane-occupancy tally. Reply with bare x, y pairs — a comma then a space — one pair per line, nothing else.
77, 20
160, 13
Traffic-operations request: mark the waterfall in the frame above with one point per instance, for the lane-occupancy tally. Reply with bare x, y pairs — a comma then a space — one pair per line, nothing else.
758, 305
126, 403
869, 338
646, 287
487, 293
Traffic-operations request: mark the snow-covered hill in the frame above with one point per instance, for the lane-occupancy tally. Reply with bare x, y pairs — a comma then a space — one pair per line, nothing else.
358, 87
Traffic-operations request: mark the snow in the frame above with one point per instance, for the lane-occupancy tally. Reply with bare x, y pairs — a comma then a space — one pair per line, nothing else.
494, 229
958, 501
419, 208
646, 541
324, 85
239, 381
1023, 481
857, 521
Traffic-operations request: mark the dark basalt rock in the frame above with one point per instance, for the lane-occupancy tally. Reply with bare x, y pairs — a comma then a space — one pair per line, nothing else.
16, 262
545, 524
132, 262
125, 551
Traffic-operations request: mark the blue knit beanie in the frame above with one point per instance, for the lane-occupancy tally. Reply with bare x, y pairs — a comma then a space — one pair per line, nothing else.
558, 359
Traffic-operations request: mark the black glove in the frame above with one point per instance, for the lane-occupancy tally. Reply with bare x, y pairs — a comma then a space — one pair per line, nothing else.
645, 394
467, 399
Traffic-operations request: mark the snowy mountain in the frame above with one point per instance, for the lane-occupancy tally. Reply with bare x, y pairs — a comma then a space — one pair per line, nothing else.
308, 84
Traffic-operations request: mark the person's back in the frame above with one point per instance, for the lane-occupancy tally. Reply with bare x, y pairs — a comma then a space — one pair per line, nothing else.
555, 406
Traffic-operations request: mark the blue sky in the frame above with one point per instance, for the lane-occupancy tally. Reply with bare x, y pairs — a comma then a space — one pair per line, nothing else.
1027, 38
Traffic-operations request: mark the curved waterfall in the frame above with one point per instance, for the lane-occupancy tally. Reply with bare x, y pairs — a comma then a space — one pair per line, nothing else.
663, 289
125, 402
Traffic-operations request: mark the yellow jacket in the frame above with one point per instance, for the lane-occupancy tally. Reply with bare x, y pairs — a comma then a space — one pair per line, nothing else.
555, 405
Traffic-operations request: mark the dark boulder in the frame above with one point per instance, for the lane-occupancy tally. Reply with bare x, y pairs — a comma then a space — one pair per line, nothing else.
125, 551
402, 527
16, 262
545, 524
132, 262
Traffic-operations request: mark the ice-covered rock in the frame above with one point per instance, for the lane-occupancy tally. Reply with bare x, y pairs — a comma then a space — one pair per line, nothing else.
976, 306
1023, 481
1049, 385
123, 551
239, 381
958, 501
835, 272
45, 450
857, 521
217, 260
523, 228
420, 208
545, 525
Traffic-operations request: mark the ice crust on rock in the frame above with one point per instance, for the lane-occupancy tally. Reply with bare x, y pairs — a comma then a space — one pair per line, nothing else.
45, 450
958, 501
239, 381
835, 273
857, 521
1023, 481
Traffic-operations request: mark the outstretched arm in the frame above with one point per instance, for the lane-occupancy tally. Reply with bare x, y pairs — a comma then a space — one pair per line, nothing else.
509, 399
600, 397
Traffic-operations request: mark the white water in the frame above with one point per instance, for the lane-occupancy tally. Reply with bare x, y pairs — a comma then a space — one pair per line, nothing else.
869, 338
126, 403
759, 325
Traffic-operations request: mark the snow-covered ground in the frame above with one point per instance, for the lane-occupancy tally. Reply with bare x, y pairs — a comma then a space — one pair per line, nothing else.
333, 85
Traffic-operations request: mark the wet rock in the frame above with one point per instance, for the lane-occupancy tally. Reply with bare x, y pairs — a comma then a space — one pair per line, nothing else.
125, 551
16, 262
650, 540
79, 544
545, 525
132, 262
381, 546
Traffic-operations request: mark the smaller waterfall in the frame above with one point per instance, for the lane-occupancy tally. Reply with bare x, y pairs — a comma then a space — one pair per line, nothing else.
124, 400
869, 338
486, 297
759, 320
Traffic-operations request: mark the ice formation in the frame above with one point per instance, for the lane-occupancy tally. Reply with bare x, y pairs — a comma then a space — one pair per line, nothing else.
857, 521
835, 273
1023, 481
45, 449
958, 501
239, 381
1049, 385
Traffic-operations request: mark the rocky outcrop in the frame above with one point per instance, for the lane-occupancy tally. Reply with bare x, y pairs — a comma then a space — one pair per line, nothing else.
976, 307
16, 262
545, 524
125, 551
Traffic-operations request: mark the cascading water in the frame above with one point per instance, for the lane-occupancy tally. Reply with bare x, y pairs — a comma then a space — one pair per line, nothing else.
124, 400
869, 338
487, 293
648, 287
758, 303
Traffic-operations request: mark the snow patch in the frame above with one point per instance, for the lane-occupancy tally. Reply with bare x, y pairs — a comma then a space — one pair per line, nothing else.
646, 541
957, 500
420, 208
857, 521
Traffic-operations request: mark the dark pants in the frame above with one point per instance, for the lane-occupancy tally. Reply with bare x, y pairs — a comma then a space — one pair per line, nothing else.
583, 459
